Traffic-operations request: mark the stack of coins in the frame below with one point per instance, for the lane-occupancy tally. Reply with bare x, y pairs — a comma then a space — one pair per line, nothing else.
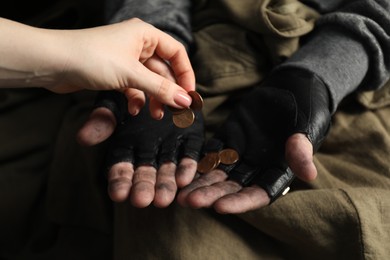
213, 159
184, 118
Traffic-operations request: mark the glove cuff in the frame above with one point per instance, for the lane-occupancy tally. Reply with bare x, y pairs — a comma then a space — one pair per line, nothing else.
341, 61
311, 98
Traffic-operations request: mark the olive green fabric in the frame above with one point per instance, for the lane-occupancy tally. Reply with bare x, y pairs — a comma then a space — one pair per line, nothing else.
51, 199
52, 204
344, 214
53, 196
238, 42
181, 233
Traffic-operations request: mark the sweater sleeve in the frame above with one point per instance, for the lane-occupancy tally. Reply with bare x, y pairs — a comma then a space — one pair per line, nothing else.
349, 48
171, 16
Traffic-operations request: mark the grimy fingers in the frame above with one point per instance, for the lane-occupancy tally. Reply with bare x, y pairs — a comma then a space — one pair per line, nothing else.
166, 187
143, 190
249, 198
120, 178
99, 126
299, 156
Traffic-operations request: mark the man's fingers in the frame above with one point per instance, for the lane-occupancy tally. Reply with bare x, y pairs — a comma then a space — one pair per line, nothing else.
249, 198
120, 178
185, 172
165, 185
203, 181
299, 156
205, 197
100, 125
170, 177
143, 189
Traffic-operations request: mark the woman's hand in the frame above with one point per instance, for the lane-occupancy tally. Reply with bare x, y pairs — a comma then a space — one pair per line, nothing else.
109, 57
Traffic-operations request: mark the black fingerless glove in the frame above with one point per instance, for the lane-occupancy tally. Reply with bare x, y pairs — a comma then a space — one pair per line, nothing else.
142, 140
289, 101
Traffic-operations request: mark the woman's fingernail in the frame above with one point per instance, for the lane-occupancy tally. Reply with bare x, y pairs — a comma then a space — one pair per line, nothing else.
182, 99
134, 111
161, 115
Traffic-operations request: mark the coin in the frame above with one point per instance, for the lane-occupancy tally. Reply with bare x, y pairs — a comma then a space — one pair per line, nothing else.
197, 100
228, 156
184, 119
208, 163
175, 110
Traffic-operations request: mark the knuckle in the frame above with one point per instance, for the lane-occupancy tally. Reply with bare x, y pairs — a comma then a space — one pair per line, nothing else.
164, 89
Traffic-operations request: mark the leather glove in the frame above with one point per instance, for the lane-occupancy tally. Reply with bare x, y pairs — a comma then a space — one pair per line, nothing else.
142, 140
289, 101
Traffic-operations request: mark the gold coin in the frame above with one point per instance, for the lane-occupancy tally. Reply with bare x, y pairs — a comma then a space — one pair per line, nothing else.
184, 119
197, 100
228, 156
208, 163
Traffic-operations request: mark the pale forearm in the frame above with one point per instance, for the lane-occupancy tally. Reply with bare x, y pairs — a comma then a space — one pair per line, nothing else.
29, 56
108, 57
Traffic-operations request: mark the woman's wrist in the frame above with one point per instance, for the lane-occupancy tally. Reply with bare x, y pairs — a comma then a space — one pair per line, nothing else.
31, 57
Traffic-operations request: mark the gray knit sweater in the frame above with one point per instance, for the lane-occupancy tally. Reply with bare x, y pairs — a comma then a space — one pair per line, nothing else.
349, 49
171, 16
350, 46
